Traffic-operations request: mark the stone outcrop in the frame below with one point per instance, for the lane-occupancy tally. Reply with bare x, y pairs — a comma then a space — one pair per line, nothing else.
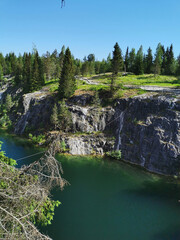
148, 133
85, 144
145, 128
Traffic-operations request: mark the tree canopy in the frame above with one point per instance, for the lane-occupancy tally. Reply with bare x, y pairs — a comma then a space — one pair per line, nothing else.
25, 195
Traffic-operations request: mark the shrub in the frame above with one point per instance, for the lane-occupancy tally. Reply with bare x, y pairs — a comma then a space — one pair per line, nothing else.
114, 154
40, 139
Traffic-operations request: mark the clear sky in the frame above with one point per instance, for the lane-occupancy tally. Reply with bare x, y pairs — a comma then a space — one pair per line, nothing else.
88, 26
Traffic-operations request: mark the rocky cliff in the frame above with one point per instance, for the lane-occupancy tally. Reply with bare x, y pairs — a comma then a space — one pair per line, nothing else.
148, 132
146, 128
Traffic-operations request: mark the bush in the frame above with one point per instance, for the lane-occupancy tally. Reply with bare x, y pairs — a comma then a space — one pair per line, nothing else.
5, 121
114, 154
62, 146
40, 139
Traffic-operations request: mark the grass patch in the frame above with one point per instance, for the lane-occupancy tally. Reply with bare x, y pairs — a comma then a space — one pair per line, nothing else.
145, 79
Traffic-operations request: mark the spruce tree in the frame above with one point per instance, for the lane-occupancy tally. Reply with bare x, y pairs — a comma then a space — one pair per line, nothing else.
170, 62
35, 73
164, 60
65, 118
126, 60
67, 83
8, 102
61, 57
132, 56
27, 72
108, 63
18, 74
139, 62
117, 60
41, 80
54, 117
178, 66
1, 73
47, 65
158, 59
149, 61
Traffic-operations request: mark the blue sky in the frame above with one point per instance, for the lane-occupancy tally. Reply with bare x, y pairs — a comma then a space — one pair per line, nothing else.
88, 26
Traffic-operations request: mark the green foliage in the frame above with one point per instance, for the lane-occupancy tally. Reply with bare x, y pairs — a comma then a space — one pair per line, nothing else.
126, 61
1, 73
158, 59
114, 154
117, 60
67, 83
5, 122
54, 116
96, 99
5, 159
40, 139
139, 68
25, 198
46, 213
132, 56
8, 102
148, 64
62, 146
65, 118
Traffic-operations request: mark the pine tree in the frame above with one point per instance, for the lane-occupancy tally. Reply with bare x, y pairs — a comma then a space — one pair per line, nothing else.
67, 83
117, 60
126, 60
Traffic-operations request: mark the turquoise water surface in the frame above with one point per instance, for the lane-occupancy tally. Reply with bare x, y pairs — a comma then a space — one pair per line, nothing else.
108, 200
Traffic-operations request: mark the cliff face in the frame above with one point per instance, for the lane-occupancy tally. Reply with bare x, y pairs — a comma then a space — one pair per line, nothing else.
148, 133
146, 128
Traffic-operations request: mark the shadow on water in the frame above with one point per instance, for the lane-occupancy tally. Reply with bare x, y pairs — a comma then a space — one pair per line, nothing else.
160, 189
168, 234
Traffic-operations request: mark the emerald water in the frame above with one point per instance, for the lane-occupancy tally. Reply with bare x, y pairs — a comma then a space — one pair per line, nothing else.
108, 200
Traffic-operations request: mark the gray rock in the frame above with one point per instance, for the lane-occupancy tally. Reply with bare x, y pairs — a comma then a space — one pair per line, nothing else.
150, 133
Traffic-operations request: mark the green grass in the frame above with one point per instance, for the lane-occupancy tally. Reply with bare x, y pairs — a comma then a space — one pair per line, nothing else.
150, 79
52, 84
145, 79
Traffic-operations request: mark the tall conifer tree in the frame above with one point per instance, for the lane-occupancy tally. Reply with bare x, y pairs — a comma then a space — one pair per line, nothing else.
67, 83
126, 60
117, 60
132, 56
158, 59
149, 61
139, 62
